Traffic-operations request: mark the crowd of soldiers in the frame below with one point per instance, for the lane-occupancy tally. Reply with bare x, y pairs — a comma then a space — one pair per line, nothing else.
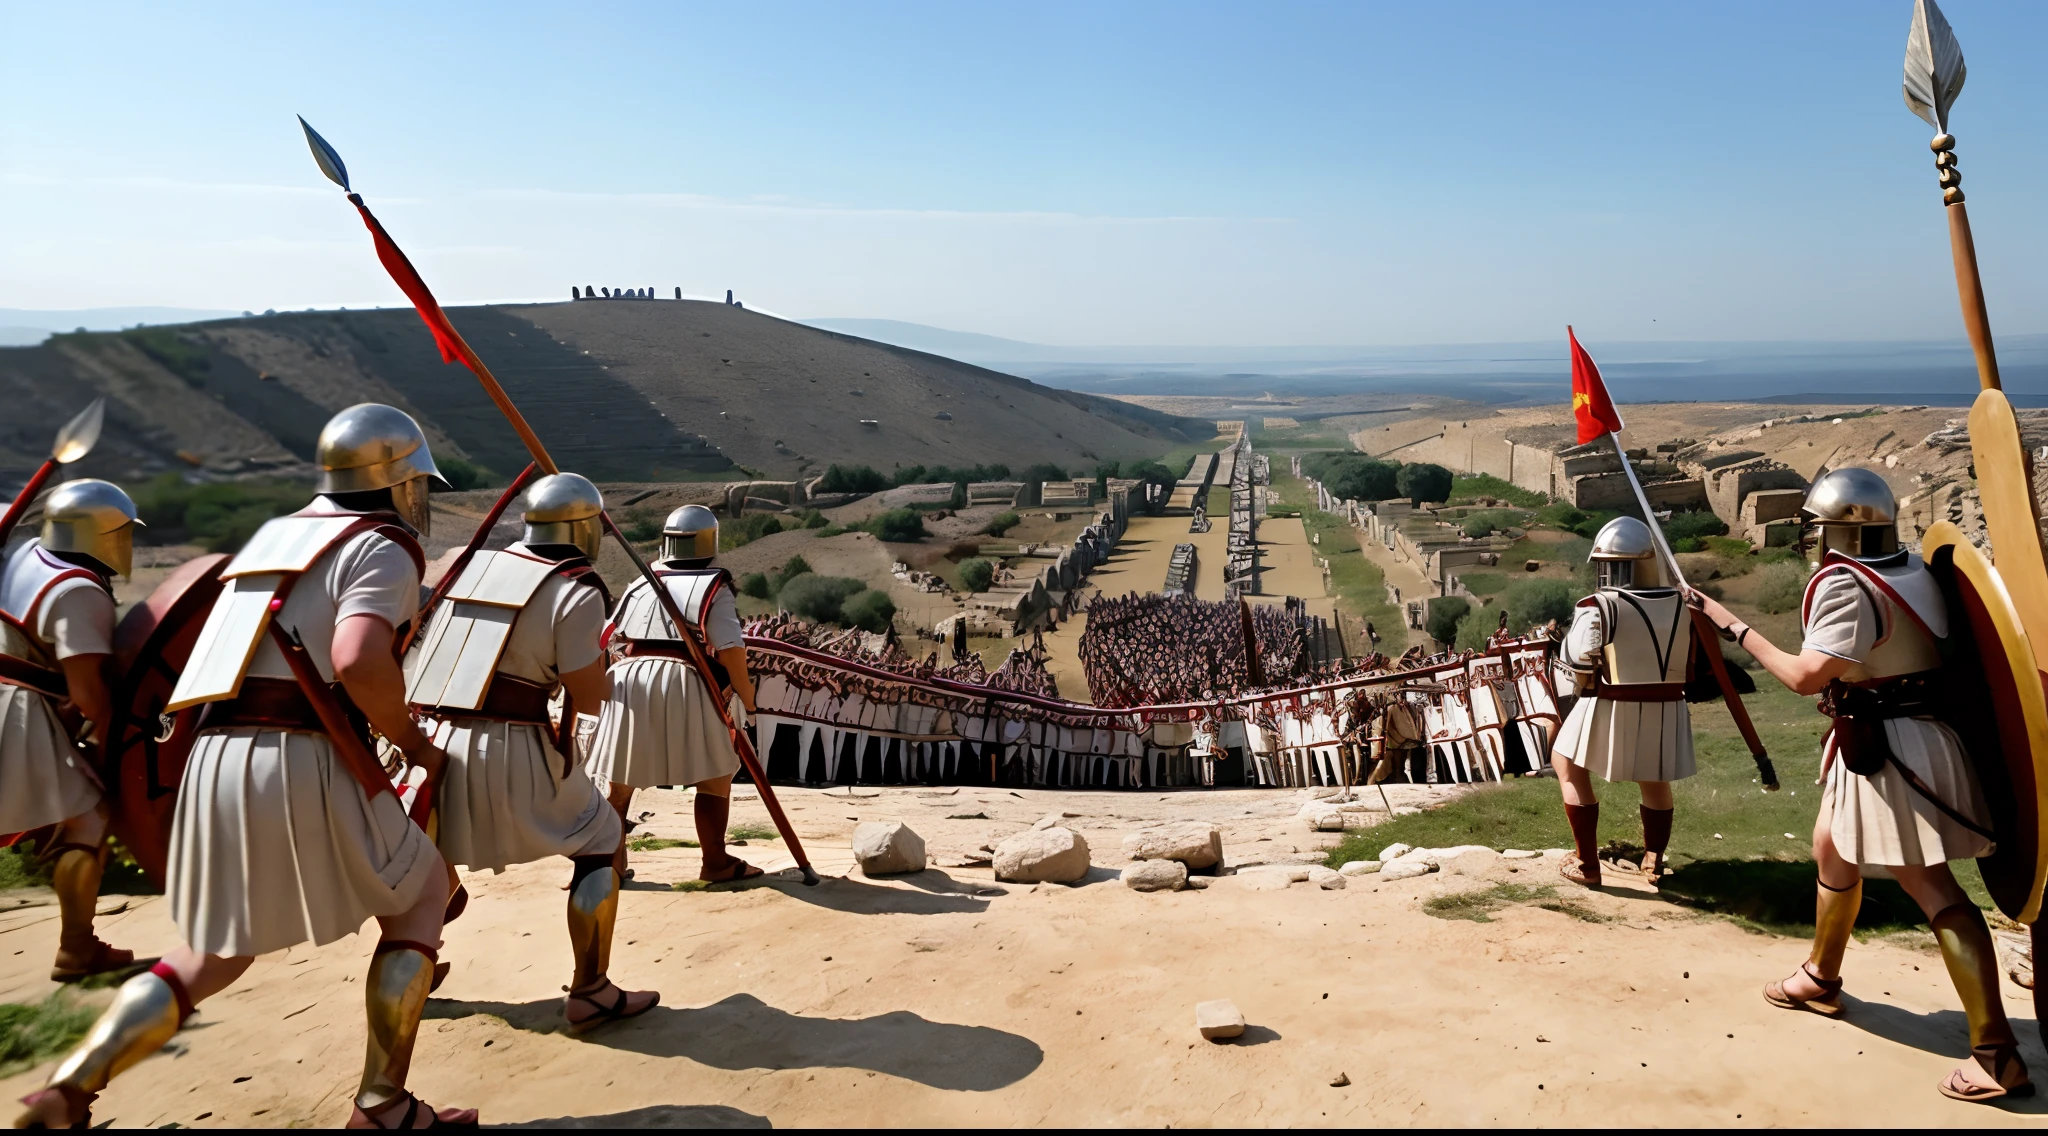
1153, 648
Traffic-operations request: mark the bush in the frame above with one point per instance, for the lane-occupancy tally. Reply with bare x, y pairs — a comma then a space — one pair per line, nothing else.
808, 519
851, 479
748, 529
1534, 602
221, 516
641, 527
1687, 532
1727, 547
1475, 627
792, 568
1421, 481
1001, 523
1034, 477
754, 584
1478, 525
464, 474
818, 598
961, 475
897, 525
178, 354
977, 574
870, 610
1444, 615
1353, 476
1781, 585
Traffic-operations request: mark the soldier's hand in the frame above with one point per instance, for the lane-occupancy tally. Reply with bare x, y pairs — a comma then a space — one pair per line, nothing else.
431, 758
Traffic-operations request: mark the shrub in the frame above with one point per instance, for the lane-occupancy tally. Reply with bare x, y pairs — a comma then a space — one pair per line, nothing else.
1001, 523
748, 529
793, 567
1727, 547
178, 354
754, 584
464, 474
818, 598
1687, 532
806, 519
1353, 476
1533, 602
931, 475
1422, 481
870, 610
1475, 627
897, 525
851, 479
1781, 585
1444, 615
977, 574
641, 527
221, 516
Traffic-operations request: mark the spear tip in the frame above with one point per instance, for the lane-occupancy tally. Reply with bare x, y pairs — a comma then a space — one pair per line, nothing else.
325, 155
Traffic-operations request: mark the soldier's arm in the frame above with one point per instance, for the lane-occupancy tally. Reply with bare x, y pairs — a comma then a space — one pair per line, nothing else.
734, 660
364, 664
1807, 672
86, 678
588, 686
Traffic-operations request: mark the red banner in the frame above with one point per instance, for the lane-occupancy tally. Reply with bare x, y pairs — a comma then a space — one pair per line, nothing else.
415, 289
1590, 404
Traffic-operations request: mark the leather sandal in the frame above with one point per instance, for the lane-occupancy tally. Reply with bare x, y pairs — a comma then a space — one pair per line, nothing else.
437, 1118
735, 871
1576, 872
49, 1104
1828, 1003
616, 1012
1654, 868
1957, 1086
101, 959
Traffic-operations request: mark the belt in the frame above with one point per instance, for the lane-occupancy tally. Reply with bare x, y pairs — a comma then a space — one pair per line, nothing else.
674, 649
508, 699
42, 680
1916, 695
1640, 691
276, 704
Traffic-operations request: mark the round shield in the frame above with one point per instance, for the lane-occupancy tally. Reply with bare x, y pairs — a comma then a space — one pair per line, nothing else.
1996, 705
144, 758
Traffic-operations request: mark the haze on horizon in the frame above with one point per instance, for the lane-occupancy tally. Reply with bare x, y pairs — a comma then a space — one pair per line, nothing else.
1291, 174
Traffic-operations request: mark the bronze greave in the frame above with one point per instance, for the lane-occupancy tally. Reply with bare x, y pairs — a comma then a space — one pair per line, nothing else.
394, 994
1973, 966
593, 909
76, 879
1834, 919
145, 1014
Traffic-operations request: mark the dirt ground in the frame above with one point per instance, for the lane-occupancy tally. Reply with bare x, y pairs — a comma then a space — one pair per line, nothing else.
945, 997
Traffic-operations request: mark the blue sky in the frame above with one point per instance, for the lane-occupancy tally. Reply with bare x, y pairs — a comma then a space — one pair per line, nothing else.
1185, 173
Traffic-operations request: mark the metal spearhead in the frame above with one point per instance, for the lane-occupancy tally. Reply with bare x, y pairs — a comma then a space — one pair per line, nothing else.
1934, 66
330, 159
79, 435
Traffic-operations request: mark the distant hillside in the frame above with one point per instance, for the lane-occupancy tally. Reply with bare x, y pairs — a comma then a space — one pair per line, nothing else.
622, 390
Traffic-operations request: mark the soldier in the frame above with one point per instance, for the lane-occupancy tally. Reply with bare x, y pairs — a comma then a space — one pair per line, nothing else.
56, 633
513, 791
1630, 642
660, 726
1901, 797
286, 830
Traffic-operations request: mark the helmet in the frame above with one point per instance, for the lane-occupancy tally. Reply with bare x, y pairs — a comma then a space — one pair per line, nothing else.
1625, 553
94, 518
563, 508
1855, 512
373, 446
690, 533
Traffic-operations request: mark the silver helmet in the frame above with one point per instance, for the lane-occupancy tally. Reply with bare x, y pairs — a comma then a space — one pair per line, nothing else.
89, 517
690, 533
1856, 513
1625, 555
564, 508
373, 446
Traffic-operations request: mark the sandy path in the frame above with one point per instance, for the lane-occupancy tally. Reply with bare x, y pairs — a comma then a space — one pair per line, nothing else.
945, 998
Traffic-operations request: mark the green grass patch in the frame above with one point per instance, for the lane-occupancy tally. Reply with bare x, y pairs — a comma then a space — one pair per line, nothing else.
1479, 906
751, 832
1466, 489
1360, 586
656, 844
1483, 583
690, 885
1777, 896
33, 1033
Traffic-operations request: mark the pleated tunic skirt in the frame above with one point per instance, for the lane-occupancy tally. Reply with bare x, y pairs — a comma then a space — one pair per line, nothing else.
275, 843
43, 777
1880, 821
660, 727
1629, 741
507, 799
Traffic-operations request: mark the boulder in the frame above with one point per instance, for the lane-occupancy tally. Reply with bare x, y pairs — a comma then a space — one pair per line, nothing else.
1219, 1020
888, 848
1196, 844
1329, 879
1156, 875
1404, 869
1326, 818
1042, 855
1359, 868
1393, 852
1266, 879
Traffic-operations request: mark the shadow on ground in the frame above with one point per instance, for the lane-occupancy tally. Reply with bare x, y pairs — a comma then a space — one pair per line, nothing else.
938, 894
743, 1032
1777, 895
1945, 1033
656, 1116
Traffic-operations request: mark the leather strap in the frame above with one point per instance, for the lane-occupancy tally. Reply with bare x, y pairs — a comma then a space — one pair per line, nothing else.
272, 703
1640, 691
42, 680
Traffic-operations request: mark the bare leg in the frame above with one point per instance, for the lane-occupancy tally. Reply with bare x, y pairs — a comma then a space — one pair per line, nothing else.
620, 795
1573, 781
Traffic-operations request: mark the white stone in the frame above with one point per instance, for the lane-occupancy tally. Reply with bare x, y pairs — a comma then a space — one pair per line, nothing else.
1329, 879
1219, 1019
1194, 843
1048, 821
888, 848
1042, 855
1329, 820
1394, 852
1519, 854
1265, 878
1404, 869
1556, 853
1156, 875
1359, 868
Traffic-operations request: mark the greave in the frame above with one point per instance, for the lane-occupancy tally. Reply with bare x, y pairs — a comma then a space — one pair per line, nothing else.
1834, 919
1973, 966
593, 909
394, 994
146, 1013
1656, 829
711, 814
1585, 822
76, 879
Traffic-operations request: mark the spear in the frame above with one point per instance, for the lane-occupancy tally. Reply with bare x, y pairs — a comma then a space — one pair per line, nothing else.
74, 441
454, 348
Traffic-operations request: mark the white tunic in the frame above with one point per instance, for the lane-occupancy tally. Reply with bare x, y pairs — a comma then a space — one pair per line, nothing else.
44, 778
509, 797
660, 725
1629, 741
1880, 821
275, 842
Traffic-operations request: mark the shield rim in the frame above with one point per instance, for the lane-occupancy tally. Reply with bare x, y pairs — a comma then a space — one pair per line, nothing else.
1983, 576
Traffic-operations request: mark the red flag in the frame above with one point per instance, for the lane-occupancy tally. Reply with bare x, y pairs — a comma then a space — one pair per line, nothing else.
415, 289
1590, 404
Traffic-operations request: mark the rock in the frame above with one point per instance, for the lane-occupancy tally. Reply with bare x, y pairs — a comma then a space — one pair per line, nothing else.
1219, 1020
1197, 883
1404, 869
1468, 864
1194, 843
1265, 879
1156, 875
1042, 855
1048, 820
1329, 820
1556, 853
1340, 1080
1519, 854
1359, 868
1329, 879
1394, 852
888, 848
